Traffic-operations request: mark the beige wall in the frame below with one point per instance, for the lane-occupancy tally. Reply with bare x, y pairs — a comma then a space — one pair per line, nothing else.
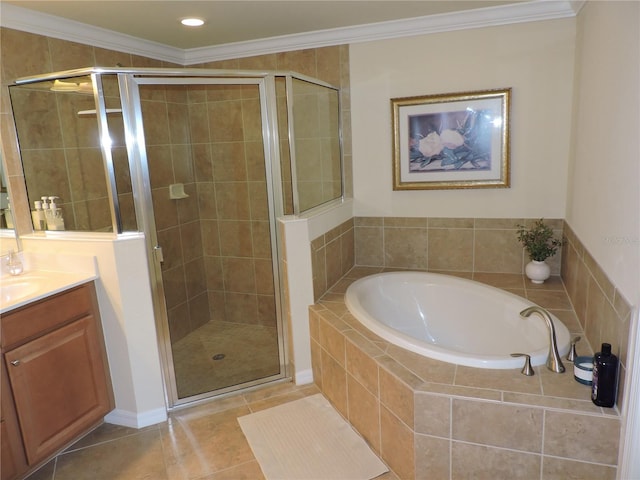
603, 191
535, 59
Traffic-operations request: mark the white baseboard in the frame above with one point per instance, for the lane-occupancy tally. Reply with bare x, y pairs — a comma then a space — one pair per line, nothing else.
304, 377
136, 420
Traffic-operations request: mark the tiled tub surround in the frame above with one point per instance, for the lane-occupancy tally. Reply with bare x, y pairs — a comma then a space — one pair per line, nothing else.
430, 419
445, 244
490, 245
332, 256
604, 314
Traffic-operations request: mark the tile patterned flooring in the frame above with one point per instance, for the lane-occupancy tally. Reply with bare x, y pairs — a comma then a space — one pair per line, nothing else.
204, 442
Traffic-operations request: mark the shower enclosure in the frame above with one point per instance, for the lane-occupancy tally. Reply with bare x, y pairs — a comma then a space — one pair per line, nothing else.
203, 162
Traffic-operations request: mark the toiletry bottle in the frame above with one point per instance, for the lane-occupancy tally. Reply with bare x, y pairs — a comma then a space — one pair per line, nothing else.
45, 209
54, 219
39, 219
8, 216
605, 375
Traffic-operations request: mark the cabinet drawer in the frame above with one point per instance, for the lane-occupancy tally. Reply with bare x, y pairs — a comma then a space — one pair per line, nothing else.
37, 318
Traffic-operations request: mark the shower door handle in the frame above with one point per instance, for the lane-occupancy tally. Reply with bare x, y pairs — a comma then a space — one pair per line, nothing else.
157, 251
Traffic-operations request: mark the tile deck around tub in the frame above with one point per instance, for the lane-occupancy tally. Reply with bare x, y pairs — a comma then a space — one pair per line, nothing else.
395, 397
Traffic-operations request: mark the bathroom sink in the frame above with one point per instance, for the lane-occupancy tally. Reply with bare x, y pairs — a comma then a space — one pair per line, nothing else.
13, 289
19, 290
16, 290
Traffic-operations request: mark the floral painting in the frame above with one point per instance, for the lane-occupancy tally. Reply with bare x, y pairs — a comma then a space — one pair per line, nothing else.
451, 140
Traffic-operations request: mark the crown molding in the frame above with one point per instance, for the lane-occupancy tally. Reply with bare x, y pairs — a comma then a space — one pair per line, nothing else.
478, 18
25, 20
43, 24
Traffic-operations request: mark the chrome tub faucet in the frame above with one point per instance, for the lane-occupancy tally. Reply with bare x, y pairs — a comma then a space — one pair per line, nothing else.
553, 359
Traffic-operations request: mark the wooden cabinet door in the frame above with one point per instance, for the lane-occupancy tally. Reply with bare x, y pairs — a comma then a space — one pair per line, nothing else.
59, 386
12, 460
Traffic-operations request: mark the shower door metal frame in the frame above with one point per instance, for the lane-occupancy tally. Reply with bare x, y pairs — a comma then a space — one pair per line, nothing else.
133, 123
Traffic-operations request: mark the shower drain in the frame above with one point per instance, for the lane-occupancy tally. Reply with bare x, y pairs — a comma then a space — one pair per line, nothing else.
218, 356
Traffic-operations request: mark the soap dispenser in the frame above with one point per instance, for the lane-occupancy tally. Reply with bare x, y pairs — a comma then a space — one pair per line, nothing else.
45, 209
38, 216
55, 221
8, 216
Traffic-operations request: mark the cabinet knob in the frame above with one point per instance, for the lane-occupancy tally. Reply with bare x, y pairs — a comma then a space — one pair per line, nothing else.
15, 363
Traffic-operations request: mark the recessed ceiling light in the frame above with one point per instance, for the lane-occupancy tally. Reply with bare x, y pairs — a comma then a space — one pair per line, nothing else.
192, 22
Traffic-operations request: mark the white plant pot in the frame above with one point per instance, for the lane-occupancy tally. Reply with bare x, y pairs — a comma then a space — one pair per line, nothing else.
537, 271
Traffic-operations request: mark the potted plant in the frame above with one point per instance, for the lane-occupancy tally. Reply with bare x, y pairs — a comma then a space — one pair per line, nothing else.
540, 244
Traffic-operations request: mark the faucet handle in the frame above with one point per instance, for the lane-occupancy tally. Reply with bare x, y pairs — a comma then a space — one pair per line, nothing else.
527, 369
571, 356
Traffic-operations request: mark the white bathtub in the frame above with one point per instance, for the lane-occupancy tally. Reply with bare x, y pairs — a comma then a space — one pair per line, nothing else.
452, 319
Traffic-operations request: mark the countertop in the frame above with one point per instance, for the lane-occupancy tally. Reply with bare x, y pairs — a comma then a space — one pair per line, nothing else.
28, 287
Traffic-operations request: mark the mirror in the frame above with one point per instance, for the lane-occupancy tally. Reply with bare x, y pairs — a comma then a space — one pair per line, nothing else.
63, 154
7, 233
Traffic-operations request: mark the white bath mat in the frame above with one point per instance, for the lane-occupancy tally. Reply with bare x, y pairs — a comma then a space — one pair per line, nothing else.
308, 439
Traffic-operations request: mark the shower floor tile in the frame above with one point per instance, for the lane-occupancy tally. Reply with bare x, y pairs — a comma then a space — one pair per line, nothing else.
242, 352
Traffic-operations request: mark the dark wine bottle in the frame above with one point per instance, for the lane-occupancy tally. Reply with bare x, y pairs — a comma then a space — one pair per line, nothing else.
605, 376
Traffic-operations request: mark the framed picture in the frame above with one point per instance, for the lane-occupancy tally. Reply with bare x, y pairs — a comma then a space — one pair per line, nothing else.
453, 140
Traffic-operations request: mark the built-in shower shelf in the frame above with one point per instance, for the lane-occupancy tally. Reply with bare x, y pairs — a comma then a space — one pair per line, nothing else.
176, 191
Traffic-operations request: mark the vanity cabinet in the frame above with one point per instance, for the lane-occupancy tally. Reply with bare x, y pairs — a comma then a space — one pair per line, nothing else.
56, 368
12, 458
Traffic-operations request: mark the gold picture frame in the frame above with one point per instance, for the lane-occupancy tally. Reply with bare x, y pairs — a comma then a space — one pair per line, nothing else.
452, 140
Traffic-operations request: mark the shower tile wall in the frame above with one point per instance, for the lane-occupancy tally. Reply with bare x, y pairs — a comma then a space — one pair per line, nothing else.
165, 115
68, 163
62, 156
317, 144
38, 54
329, 64
45, 54
216, 242
230, 174
285, 154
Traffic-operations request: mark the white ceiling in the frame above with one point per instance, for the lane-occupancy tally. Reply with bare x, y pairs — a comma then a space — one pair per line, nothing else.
238, 20
249, 27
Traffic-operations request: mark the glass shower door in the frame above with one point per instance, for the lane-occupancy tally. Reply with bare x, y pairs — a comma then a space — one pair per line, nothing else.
213, 219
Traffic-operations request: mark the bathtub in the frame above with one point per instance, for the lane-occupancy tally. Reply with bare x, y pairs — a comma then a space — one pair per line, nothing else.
452, 319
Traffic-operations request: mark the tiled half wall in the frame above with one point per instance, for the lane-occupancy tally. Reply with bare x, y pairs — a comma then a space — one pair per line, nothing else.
604, 314
434, 420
